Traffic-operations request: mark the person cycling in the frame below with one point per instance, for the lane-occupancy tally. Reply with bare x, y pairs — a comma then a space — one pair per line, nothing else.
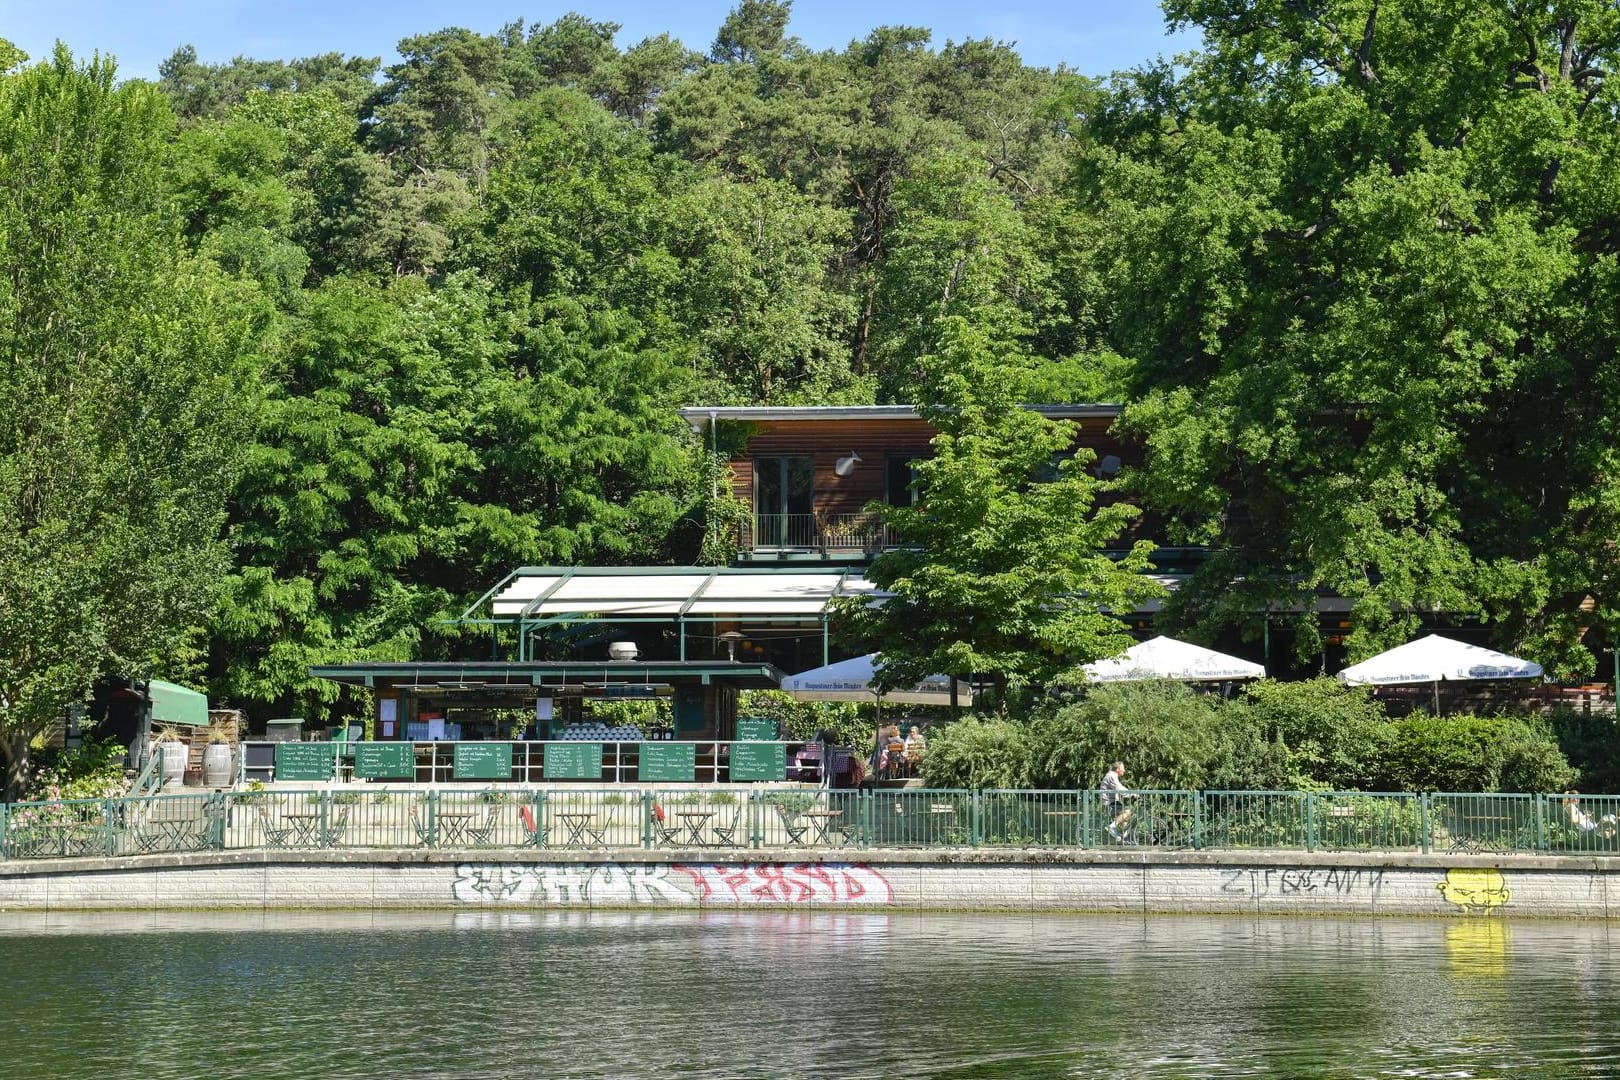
1114, 794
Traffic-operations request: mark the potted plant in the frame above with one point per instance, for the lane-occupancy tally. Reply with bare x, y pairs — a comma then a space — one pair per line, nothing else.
173, 754
217, 755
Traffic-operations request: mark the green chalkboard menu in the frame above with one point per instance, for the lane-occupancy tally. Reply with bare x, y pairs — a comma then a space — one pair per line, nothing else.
758, 761
573, 761
752, 729
305, 760
385, 760
482, 761
672, 761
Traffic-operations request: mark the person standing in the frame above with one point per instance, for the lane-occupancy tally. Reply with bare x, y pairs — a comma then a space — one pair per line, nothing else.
1114, 794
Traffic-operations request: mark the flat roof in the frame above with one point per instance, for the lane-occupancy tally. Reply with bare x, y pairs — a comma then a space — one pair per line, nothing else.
696, 415
493, 675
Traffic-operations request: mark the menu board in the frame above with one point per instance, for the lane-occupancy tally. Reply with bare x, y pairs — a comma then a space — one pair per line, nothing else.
573, 761
753, 729
482, 761
305, 760
385, 761
758, 761
672, 761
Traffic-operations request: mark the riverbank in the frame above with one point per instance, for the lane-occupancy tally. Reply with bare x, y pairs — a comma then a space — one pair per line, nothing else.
1149, 881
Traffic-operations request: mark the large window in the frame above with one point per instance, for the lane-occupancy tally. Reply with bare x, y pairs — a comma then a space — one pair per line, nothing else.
900, 481
784, 504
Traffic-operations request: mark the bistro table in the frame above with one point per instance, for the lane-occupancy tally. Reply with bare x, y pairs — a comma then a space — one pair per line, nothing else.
823, 823
171, 833
304, 824
694, 820
580, 833
453, 826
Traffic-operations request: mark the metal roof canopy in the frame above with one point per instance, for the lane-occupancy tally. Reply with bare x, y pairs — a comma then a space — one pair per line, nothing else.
534, 597
520, 674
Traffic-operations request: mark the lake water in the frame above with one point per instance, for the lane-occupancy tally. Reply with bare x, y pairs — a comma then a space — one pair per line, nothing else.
764, 995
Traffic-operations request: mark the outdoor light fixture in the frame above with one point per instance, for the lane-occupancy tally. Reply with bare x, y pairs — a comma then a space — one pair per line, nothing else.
731, 637
846, 465
623, 651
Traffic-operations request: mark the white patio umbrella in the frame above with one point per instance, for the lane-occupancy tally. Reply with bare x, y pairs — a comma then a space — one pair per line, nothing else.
1167, 658
1435, 659
852, 680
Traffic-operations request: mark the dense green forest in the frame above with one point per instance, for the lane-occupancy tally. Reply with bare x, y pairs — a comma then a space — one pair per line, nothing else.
298, 356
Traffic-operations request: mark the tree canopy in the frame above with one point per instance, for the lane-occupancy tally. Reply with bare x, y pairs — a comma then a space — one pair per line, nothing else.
1350, 269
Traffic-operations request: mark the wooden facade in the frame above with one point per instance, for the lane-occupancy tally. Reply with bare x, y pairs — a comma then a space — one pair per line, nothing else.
850, 457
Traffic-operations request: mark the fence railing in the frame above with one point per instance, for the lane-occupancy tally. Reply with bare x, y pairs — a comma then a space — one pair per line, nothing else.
709, 761
859, 531
789, 817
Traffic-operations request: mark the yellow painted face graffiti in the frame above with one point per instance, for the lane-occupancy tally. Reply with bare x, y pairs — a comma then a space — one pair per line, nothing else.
1475, 890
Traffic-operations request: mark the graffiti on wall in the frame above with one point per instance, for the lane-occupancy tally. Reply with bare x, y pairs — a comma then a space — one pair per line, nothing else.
618, 884
1475, 891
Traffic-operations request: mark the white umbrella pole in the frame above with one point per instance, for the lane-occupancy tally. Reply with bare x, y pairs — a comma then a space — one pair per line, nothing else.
1437, 697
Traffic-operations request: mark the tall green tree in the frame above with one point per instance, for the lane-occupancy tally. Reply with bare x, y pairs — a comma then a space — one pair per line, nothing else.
1363, 258
1002, 569
124, 384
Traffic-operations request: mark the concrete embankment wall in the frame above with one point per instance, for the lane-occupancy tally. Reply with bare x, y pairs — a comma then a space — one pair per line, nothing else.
1202, 882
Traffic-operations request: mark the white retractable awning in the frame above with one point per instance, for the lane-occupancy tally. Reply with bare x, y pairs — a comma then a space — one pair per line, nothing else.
661, 592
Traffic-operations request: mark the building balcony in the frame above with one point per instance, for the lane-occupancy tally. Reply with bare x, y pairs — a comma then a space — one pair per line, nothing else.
844, 535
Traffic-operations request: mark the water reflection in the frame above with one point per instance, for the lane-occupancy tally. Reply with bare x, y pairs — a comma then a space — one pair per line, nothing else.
778, 995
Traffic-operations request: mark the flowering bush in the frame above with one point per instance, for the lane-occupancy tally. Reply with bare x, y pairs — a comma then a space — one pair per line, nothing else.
93, 770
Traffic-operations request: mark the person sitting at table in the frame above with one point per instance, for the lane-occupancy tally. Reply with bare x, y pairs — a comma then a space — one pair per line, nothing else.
1583, 821
896, 751
916, 747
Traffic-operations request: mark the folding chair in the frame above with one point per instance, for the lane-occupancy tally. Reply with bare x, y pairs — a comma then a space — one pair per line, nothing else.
726, 834
794, 829
482, 834
664, 830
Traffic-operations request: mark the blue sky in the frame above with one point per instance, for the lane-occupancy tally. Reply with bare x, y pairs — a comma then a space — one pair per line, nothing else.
1091, 36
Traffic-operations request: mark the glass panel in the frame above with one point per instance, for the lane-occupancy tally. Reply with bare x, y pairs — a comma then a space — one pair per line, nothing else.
784, 489
900, 482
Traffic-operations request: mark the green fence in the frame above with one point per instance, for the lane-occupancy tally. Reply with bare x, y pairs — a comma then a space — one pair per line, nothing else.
685, 819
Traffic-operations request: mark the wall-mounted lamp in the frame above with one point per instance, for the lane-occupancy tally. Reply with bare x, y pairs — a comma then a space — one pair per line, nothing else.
846, 465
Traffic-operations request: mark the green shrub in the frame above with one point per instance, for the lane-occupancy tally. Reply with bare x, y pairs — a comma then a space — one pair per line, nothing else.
1591, 743
1334, 734
1168, 734
976, 752
93, 770
1472, 753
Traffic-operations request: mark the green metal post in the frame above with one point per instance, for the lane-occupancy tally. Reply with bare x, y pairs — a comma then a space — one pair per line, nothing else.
1310, 821
978, 809
3, 831
542, 820
1198, 820
1541, 823
326, 802
1423, 820
433, 817
111, 829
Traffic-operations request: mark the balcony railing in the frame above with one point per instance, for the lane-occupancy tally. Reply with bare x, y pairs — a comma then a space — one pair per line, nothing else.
862, 532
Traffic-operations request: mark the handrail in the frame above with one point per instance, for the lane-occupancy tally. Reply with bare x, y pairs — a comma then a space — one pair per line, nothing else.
150, 779
746, 817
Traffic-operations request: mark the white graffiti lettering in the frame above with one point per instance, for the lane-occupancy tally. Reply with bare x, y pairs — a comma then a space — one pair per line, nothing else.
607, 883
